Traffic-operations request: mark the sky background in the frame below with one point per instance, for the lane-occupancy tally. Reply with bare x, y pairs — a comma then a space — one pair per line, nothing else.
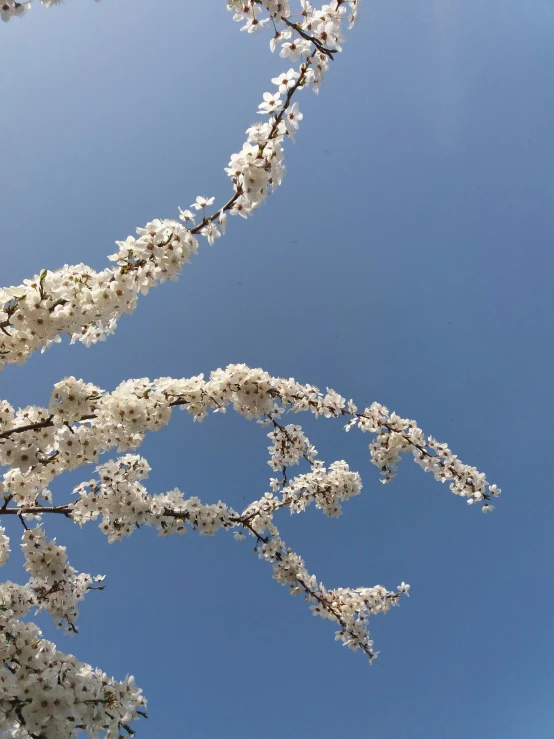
407, 259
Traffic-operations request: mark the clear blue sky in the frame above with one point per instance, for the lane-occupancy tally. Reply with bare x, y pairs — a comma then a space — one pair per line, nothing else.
406, 259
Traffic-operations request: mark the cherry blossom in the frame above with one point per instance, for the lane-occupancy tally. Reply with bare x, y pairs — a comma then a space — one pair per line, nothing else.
47, 693
285, 80
82, 420
13, 9
85, 304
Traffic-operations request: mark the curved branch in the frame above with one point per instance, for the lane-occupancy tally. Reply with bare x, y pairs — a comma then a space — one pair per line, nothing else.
86, 305
83, 422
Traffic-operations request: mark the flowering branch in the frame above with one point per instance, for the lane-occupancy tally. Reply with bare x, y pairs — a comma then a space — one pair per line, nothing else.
85, 304
47, 694
82, 421
119, 497
124, 505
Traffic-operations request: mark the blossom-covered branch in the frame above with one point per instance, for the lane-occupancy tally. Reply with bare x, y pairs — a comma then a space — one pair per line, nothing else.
119, 498
82, 421
47, 694
85, 304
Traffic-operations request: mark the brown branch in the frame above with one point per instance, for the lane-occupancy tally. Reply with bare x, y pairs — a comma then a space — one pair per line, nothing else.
229, 204
316, 42
320, 599
65, 510
28, 427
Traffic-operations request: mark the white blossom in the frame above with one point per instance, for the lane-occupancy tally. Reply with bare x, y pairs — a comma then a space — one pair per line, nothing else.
285, 80
14, 9
49, 693
87, 305
4, 546
45, 692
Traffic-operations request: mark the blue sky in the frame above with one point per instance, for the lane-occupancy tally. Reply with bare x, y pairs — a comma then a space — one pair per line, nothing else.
406, 259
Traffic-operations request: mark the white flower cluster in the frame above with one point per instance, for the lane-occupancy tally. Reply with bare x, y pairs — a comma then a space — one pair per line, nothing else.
57, 585
47, 693
14, 9
37, 444
325, 488
85, 304
289, 446
348, 608
71, 400
124, 504
4, 546
396, 436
